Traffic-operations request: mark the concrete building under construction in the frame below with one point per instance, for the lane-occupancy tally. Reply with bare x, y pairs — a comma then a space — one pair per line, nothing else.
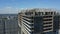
39, 21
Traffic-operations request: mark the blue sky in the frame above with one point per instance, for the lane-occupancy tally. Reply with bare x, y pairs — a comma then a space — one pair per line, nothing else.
12, 6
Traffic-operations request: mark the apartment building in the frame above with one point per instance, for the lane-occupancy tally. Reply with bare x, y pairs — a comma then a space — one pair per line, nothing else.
38, 21
8, 24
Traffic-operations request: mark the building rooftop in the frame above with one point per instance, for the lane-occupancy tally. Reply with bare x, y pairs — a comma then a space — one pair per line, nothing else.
39, 10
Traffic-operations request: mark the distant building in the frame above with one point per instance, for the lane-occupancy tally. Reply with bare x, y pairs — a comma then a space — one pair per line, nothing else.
8, 24
38, 21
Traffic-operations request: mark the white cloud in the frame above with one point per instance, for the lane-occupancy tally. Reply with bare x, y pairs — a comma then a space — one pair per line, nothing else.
8, 10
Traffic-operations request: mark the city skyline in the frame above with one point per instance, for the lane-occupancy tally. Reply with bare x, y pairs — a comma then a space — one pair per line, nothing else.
13, 6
